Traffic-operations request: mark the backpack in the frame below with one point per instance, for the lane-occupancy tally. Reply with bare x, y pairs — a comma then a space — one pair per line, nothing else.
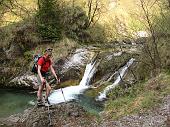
35, 65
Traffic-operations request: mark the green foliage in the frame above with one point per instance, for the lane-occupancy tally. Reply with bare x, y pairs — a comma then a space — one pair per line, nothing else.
161, 22
48, 20
120, 91
75, 22
3, 6
149, 100
98, 33
28, 56
142, 71
139, 97
164, 50
135, 24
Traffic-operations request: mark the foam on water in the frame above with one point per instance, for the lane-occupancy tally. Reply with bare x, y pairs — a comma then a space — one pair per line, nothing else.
71, 92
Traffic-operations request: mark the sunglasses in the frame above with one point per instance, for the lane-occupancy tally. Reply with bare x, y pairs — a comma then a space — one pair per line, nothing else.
49, 49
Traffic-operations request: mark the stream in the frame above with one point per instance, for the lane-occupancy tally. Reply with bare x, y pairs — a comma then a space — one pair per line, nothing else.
14, 101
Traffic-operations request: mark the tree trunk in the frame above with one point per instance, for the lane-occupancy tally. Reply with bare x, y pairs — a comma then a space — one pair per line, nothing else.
168, 3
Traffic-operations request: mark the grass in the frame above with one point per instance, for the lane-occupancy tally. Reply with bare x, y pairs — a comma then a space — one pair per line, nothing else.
138, 98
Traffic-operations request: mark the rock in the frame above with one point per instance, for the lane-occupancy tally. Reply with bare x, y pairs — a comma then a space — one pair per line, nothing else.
25, 81
10, 121
72, 67
111, 62
168, 121
66, 114
14, 51
127, 41
3, 57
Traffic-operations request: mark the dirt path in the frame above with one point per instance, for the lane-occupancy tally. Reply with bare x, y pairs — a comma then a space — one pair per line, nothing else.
156, 117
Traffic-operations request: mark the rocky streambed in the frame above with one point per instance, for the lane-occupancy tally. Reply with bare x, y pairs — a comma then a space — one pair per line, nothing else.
65, 114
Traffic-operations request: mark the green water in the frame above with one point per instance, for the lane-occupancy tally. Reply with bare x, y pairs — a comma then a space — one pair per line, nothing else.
12, 101
90, 105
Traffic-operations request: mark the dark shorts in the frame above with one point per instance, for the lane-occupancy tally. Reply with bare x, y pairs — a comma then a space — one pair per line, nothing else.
45, 75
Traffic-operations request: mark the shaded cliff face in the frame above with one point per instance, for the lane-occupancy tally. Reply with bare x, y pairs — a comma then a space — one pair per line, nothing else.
8, 70
14, 56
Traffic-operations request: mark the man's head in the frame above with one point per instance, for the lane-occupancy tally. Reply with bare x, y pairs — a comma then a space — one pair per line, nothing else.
48, 53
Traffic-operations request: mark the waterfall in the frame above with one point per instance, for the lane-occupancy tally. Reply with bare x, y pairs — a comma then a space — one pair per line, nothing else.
88, 74
121, 72
71, 92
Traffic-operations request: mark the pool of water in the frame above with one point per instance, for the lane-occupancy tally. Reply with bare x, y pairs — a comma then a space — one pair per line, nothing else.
12, 101
90, 105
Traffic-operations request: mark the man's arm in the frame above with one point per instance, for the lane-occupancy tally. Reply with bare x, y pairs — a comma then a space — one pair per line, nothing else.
53, 72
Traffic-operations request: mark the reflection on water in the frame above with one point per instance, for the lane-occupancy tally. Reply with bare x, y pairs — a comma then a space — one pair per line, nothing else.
12, 101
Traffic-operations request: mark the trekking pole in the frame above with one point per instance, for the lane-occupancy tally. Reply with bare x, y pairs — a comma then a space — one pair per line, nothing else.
49, 117
63, 95
49, 114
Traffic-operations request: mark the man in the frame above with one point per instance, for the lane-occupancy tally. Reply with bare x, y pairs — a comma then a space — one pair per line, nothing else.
44, 63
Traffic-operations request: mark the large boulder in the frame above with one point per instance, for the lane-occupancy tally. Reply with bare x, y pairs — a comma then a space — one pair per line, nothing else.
26, 81
66, 114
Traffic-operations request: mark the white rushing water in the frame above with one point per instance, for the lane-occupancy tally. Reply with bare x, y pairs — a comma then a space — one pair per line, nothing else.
121, 73
71, 92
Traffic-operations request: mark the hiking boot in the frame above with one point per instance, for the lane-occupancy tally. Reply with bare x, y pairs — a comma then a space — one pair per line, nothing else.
39, 102
46, 102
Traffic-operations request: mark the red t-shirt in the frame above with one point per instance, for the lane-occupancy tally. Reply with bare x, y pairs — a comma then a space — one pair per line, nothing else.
44, 64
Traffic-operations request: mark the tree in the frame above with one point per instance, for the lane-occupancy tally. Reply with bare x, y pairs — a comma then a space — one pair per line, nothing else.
48, 20
151, 47
169, 3
93, 10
